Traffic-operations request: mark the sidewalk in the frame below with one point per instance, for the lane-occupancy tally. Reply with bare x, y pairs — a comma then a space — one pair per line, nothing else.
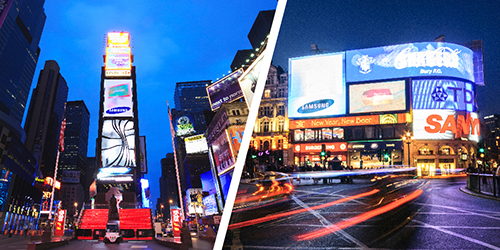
482, 194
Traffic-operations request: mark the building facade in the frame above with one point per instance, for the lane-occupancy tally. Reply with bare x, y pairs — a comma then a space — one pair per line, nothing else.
45, 114
191, 99
376, 107
271, 127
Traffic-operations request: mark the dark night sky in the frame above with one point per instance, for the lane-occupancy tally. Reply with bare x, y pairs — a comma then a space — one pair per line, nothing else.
357, 24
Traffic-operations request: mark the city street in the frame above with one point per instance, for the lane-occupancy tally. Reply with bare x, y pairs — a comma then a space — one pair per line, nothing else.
442, 217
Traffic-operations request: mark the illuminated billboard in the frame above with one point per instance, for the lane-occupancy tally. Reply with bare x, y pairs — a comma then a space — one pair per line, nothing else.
184, 125
410, 60
377, 97
443, 124
350, 121
223, 156
118, 59
235, 136
118, 98
317, 147
248, 80
210, 203
443, 94
196, 144
317, 86
118, 144
225, 90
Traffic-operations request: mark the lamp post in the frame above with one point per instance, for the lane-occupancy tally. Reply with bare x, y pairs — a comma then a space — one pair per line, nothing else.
162, 212
408, 138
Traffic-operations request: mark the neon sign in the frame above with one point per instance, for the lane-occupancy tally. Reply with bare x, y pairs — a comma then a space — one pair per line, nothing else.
441, 57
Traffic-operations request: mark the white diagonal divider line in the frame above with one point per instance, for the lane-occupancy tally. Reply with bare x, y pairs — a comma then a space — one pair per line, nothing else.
326, 223
458, 235
461, 210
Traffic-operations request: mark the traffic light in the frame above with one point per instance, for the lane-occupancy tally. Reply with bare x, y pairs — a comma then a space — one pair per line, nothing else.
481, 150
386, 155
323, 150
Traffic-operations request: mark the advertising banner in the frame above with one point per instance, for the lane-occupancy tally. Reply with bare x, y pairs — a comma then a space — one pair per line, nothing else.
410, 60
377, 97
210, 204
118, 143
225, 90
118, 98
443, 94
442, 124
317, 86
248, 80
175, 214
196, 144
235, 136
316, 147
61, 217
349, 121
118, 62
184, 125
222, 154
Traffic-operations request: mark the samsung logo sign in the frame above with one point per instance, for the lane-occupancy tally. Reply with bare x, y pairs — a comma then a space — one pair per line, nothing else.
117, 110
315, 106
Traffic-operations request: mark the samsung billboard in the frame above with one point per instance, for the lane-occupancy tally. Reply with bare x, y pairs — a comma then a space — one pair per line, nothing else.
443, 94
410, 60
377, 97
225, 90
118, 98
317, 86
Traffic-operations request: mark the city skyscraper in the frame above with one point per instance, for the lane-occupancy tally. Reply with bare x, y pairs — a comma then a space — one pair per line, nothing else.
21, 25
191, 98
20, 34
45, 114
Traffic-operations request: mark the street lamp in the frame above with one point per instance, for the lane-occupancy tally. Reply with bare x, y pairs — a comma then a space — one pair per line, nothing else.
408, 138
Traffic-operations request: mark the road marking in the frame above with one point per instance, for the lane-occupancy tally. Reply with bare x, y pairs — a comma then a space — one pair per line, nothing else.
139, 246
458, 235
327, 223
318, 196
460, 210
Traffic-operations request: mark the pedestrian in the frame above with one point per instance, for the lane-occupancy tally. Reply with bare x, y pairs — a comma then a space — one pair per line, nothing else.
186, 235
210, 233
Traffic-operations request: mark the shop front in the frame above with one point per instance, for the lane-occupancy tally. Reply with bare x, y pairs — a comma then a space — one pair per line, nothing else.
309, 154
375, 154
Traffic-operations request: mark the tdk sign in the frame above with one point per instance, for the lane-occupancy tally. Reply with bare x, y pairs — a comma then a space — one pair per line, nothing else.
117, 110
315, 106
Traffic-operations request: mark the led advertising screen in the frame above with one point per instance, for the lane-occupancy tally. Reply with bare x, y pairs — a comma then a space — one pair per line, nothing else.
377, 97
316, 86
196, 144
118, 62
117, 150
210, 204
248, 80
118, 98
443, 124
223, 156
184, 125
410, 60
208, 182
225, 90
443, 94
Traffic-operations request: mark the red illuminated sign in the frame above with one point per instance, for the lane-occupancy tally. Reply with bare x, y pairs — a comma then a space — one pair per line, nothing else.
61, 217
316, 147
176, 222
49, 181
459, 126
349, 121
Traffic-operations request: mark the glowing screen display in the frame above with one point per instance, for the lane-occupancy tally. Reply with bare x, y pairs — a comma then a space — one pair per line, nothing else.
118, 144
443, 94
377, 97
225, 90
317, 86
410, 60
118, 98
442, 124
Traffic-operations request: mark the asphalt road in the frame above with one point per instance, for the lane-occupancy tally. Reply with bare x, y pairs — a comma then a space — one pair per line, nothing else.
442, 217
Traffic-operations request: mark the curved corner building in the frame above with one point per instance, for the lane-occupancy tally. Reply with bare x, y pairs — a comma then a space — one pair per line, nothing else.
409, 104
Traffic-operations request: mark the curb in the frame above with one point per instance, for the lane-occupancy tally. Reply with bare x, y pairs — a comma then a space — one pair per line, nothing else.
467, 191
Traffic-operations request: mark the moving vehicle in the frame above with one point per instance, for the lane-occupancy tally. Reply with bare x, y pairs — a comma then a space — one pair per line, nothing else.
113, 232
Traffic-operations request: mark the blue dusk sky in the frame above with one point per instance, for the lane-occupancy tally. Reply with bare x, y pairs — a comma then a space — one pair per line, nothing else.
172, 41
